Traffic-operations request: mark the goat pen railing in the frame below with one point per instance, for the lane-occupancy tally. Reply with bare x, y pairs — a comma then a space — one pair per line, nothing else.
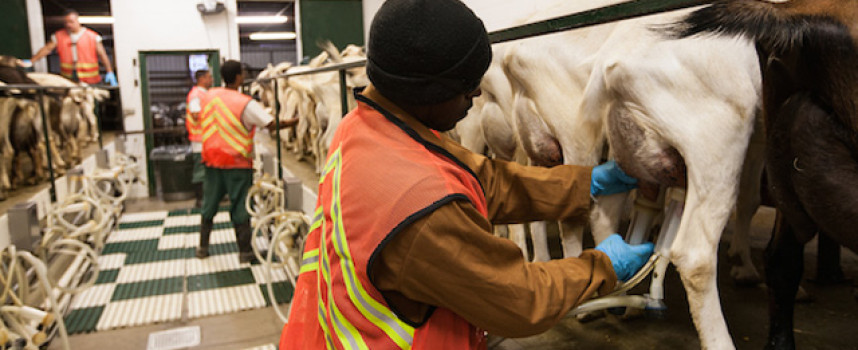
25, 90
592, 17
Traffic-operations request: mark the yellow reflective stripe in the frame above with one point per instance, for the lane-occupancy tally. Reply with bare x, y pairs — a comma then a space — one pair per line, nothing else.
399, 332
206, 121
345, 331
310, 261
208, 133
221, 120
87, 65
217, 102
308, 268
322, 275
238, 148
87, 74
329, 165
318, 217
191, 120
323, 321
227, 126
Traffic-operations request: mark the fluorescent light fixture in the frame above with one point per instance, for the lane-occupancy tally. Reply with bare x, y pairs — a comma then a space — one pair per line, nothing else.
95, 19
273, 36
279, 19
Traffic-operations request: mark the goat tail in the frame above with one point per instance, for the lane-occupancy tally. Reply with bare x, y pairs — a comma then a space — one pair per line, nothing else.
769, 23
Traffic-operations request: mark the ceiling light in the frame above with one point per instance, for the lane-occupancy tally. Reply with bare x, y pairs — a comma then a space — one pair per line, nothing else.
261, 19
273, 36
95, 19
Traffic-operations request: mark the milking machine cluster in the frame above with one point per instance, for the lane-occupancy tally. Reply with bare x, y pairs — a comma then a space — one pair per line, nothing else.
44, 267
278, 223
668, 208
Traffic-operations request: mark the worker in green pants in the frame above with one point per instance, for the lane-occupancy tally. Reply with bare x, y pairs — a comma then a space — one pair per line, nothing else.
229, 120
195, 130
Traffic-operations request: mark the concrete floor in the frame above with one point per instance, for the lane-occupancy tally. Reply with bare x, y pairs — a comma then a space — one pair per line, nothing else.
827, 322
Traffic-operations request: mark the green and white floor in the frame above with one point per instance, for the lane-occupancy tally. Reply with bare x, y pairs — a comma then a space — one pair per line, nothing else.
149, 275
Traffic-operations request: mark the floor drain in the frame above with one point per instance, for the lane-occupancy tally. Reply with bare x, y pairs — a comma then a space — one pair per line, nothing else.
176, 338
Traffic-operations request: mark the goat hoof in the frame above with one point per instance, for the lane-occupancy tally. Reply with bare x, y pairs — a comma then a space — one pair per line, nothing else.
634, 313
802, 296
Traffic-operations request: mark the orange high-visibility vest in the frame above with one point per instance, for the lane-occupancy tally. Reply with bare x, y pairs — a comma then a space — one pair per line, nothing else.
194, 125
377, 180
87, 55
227, 144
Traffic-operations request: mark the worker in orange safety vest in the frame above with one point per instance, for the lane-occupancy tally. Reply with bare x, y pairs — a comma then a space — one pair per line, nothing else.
400, 253
79, 49
229, 120
194, 125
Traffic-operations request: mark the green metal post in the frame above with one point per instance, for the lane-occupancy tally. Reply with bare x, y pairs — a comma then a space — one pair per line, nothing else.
344, 98
596, 16
53, 189
277, 138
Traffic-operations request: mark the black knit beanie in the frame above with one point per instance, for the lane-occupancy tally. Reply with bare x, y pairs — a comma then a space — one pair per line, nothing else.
424, 52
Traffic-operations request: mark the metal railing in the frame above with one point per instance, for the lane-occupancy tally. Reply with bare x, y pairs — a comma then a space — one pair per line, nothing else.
26, 90
596, 16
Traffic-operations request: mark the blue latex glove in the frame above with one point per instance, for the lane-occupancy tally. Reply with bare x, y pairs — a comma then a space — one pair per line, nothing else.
608, 179
110, 78
26, 64
627, 259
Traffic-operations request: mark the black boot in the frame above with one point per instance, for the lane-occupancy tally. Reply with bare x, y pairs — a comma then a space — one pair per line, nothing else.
243, 235
205, 233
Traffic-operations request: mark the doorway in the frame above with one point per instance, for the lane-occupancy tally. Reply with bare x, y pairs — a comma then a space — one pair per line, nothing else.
166, 79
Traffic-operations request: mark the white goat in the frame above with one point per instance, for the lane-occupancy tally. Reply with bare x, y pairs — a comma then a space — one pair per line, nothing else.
669, 101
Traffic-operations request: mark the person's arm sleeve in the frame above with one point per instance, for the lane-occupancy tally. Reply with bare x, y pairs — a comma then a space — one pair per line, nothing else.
450, 259
194, 106
517, 193
255, 115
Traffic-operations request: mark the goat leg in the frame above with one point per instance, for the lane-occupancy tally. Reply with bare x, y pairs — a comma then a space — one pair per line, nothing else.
784, 267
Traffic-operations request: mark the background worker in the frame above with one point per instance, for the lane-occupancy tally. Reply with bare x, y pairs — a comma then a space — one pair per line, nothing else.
401, 253
195, 129
79, 49
229, 120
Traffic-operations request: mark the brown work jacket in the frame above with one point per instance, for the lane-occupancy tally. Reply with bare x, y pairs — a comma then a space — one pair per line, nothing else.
450, 257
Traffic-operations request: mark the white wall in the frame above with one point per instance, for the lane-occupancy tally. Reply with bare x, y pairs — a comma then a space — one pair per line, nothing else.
37, 32
496, 14
163, 25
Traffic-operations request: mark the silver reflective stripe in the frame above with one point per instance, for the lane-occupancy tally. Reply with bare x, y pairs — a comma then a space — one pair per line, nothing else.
323, 319
308, 261
347, 265
344, 332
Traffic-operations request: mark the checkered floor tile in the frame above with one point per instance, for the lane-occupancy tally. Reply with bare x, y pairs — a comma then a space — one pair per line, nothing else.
149, 274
